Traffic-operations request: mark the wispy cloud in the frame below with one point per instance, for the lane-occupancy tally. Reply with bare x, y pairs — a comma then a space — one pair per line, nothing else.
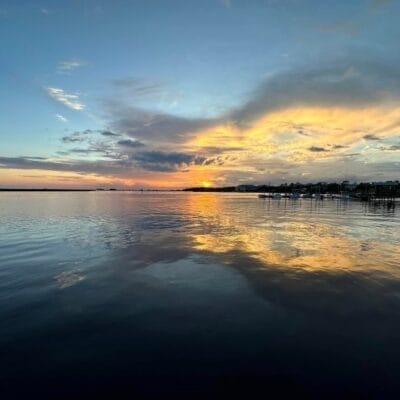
109, 133
78, 136
370, 136
317, 149
393, 147
61, 118
139, 87
296, 122
70, 100
70, 65
130, 143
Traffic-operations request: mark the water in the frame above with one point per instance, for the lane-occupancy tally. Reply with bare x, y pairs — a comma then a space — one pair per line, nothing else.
191, 294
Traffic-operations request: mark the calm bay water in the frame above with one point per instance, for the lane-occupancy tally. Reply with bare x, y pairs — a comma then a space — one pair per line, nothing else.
191, 293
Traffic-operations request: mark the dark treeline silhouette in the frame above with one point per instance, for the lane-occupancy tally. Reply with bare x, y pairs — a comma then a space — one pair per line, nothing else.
211, 189
43, 190
363, 190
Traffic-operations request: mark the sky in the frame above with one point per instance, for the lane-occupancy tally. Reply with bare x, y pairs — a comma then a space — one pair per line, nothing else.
173, 94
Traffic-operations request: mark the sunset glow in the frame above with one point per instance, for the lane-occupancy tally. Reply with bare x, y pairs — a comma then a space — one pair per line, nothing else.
176, 119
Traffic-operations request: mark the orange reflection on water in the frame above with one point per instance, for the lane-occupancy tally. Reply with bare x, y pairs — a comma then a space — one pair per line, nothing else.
286, 236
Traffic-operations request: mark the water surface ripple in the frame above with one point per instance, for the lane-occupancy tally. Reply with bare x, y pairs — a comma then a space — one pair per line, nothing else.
197, 294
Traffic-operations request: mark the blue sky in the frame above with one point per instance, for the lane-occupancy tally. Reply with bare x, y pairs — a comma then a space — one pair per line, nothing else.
185, 68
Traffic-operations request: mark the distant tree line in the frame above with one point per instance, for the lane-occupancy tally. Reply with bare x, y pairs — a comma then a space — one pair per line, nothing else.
362, 189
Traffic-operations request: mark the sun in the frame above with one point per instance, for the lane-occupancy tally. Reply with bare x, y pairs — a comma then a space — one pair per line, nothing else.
206, 184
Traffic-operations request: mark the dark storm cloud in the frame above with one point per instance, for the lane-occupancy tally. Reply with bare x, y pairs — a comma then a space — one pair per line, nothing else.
165, 161
130, 143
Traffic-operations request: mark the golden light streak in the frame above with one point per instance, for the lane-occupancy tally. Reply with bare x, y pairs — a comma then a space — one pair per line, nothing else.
279, 244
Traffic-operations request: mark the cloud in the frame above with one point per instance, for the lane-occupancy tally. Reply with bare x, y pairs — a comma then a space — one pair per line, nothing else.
352, 83
286, 118
346, 84
317, 149
72, 139
150, 161
138, 86
214, 150
100, 167
85, 151
393, 147
130, 143
370, 136
109, 133
70, 100
106, 133
153, 126
61, 118
220, 160
165, 161
78, 136
69, 65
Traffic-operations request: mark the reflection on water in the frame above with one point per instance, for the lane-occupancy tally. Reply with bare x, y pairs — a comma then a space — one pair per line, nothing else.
68, 278
309, 235
185, 293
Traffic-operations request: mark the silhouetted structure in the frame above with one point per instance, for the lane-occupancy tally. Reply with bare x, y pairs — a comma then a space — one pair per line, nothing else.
383, 192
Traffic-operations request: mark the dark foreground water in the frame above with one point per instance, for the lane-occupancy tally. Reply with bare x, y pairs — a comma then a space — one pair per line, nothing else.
189, 294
